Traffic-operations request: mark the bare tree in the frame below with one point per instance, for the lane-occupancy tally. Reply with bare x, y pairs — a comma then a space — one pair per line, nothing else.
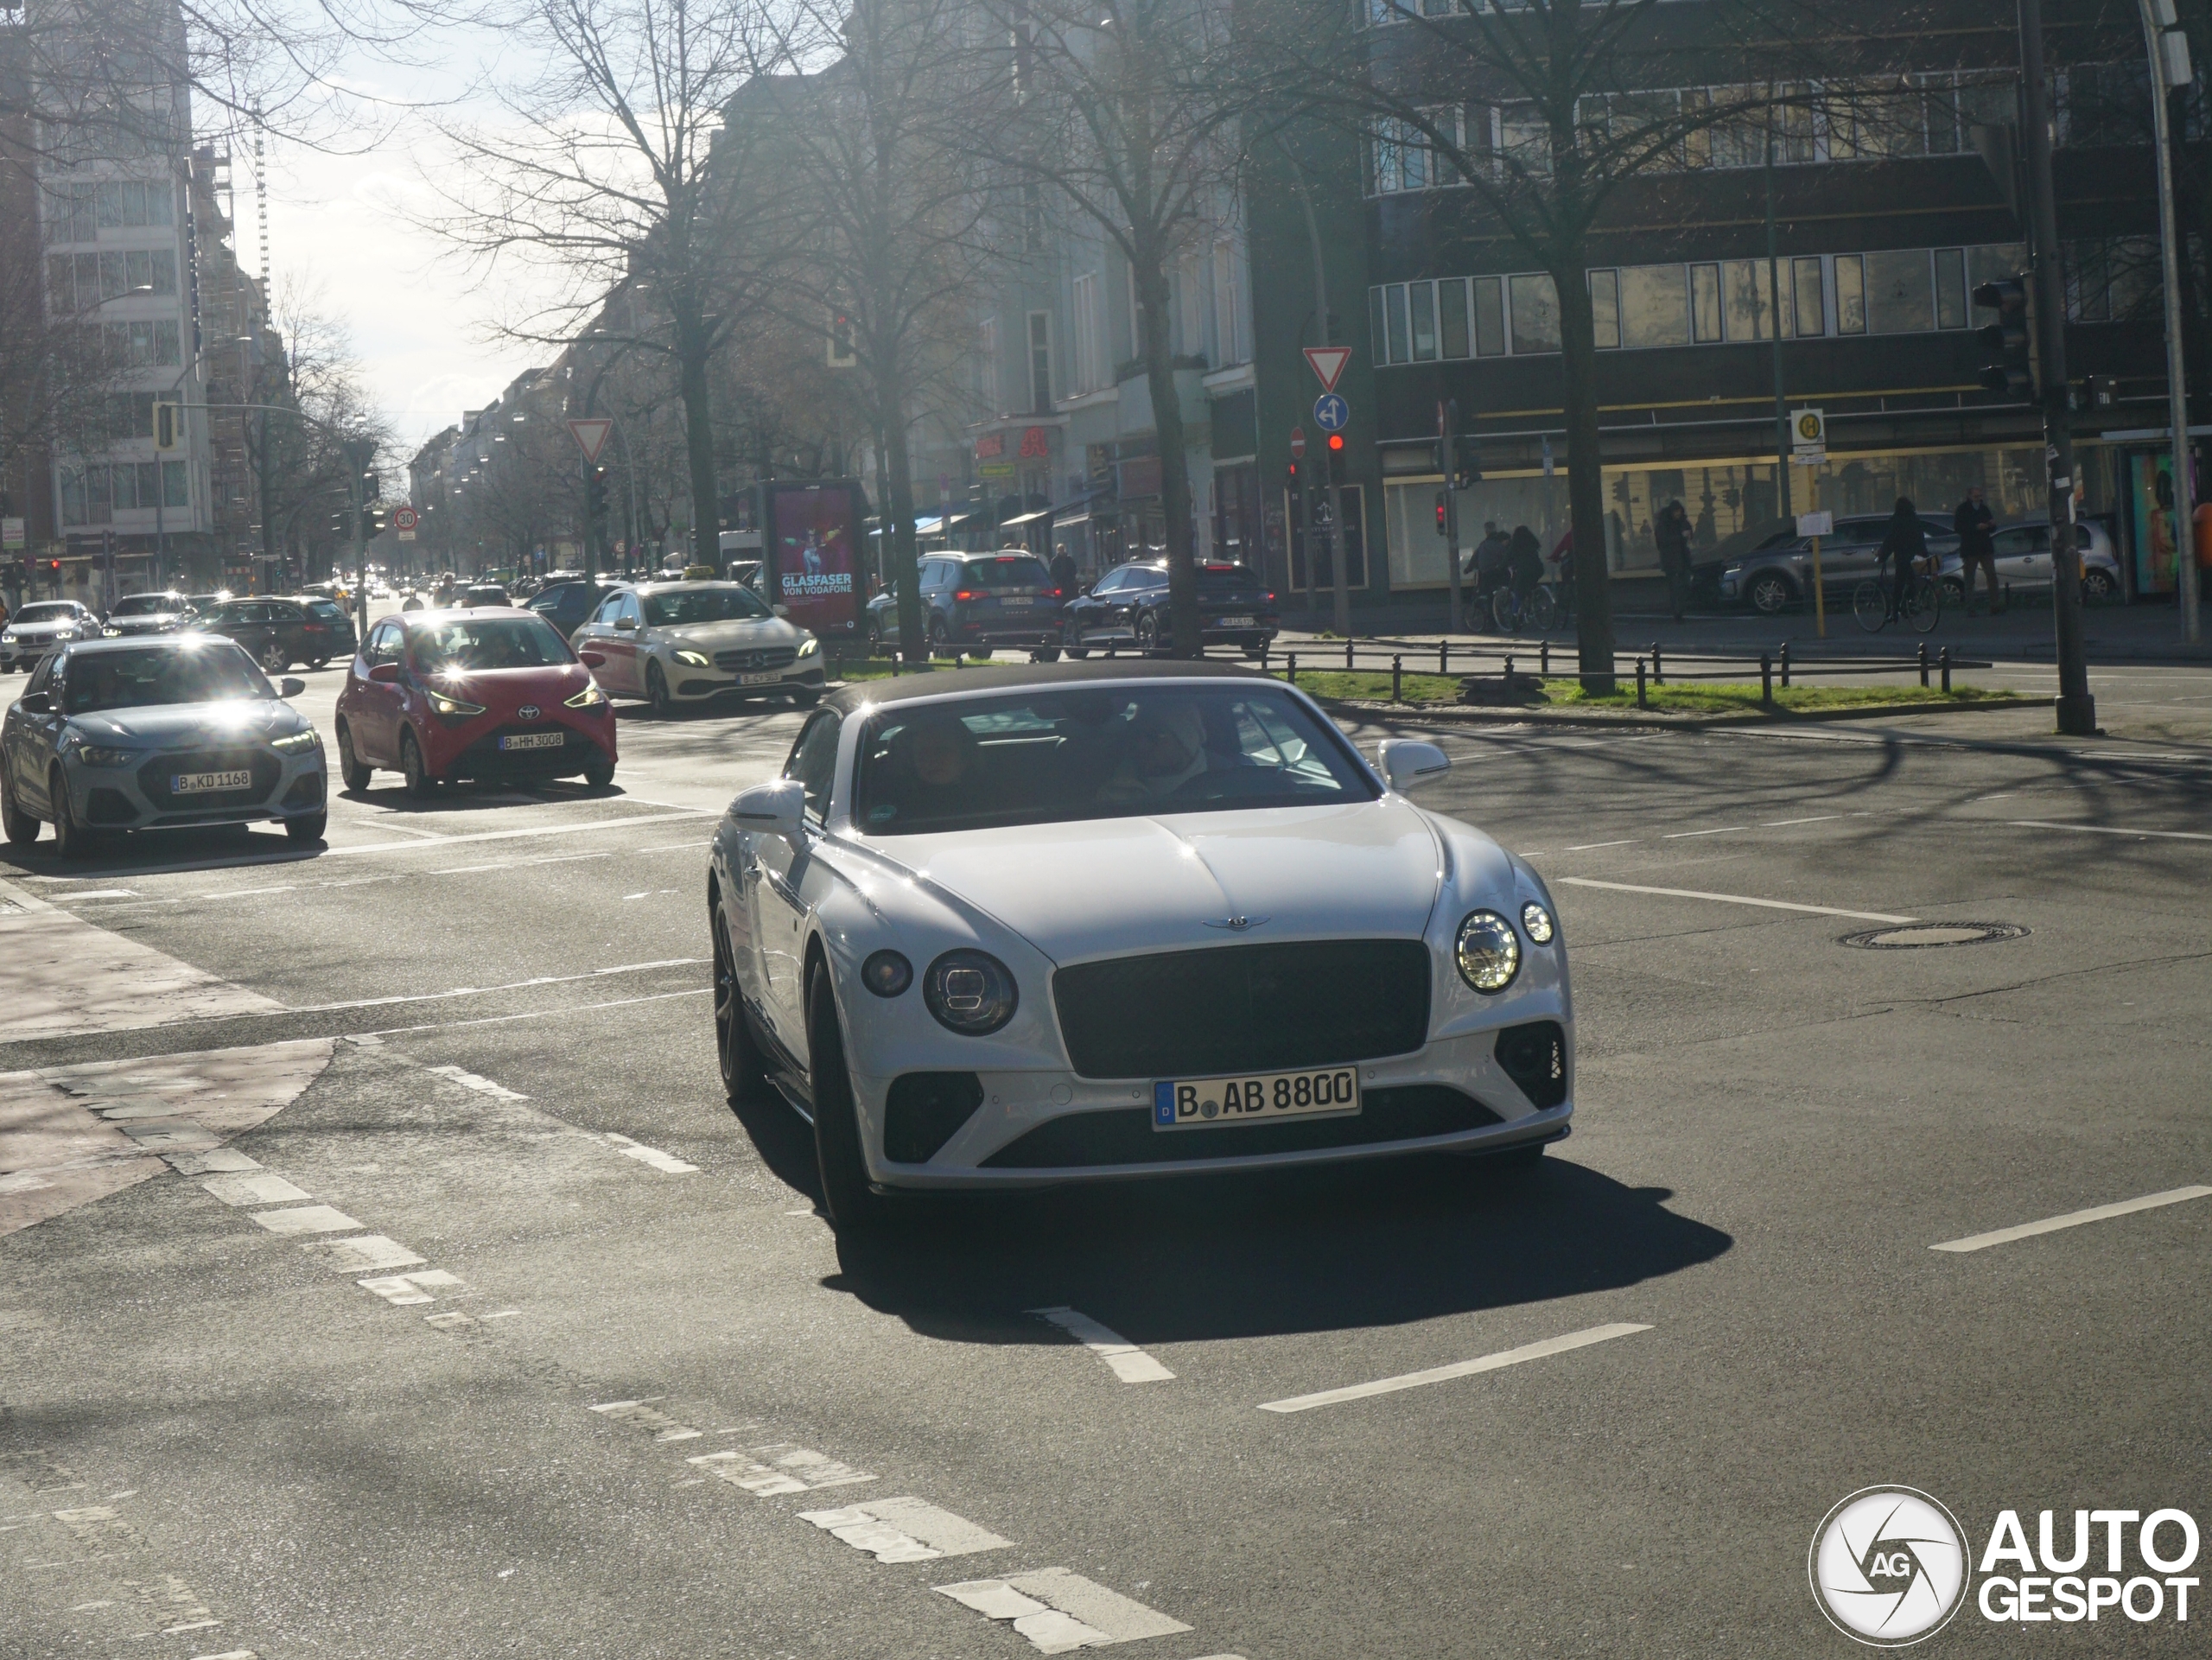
315, 402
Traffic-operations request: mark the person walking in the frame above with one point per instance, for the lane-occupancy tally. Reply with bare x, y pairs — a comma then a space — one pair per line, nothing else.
1064, 573
1905, 544
1672, 532
1976, 527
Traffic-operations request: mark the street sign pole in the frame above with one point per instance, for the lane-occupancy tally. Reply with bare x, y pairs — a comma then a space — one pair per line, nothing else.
1447, 417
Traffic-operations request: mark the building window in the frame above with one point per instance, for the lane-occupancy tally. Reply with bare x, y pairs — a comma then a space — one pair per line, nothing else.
1040, 361
1422, 296
1749, 308
1655, 306
1850, 294
1489, 317
1535, 312
1950, 288
1605, 309
1090, 352
1900, 299
1807, 301
1705, 304
987, 364
1452, 317
1228, 307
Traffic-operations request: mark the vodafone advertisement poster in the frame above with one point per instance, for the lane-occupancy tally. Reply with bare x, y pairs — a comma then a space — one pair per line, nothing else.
810, 540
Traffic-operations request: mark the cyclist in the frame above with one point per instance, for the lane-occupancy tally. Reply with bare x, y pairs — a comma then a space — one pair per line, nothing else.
1906, 544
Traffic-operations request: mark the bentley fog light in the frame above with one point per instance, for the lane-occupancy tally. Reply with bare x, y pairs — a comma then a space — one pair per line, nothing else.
1489, 953
886, 974
970, 993
1538, 923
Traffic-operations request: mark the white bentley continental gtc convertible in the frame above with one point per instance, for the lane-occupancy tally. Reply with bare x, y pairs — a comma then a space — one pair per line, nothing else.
1068, 922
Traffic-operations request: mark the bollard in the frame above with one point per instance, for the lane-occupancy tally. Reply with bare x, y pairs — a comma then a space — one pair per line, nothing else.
1944, 659
1658, 666
1924, 666
1766, 679
1292, 660
1505, 678
1397, 678
1444, 657
1785, 664
1640, 702
1544, 659
1264, 648
1347, 653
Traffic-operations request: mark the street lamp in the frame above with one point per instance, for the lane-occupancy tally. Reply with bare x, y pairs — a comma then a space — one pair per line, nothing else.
2168, 48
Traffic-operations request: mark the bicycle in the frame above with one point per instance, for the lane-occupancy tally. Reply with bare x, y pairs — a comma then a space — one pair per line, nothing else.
1548, 607
1919, 606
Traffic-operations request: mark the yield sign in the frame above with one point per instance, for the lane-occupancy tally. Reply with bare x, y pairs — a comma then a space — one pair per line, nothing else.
1328, 362
591, 435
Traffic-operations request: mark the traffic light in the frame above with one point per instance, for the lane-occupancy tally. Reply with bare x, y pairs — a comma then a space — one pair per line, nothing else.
2011, 339
1470, 458
168, 426
2091, 394
841, 355
1295, 484
1336, 443
595, 494
1442, 513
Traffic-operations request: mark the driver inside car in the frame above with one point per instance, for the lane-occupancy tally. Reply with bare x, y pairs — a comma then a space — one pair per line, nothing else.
1166, 750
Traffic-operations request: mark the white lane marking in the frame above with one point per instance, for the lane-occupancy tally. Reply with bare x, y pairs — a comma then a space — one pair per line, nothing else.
778, 1468
2072, 1219
2110, 830
1591, 847
671, 847
505, 1313
369, 1253
306, 1218
1130, 1363
469, 1080
454, 1322
263, 1189
248, 892
208, 1163
1724, 829
651, 1155
1058, 1611
1778, 823
652, 892
1458, 1368
904, 1530
227, 1654
511, 834
102, 893
405, 1290
468, 870
642, 1415
530, 1014
487, 991
1736, 899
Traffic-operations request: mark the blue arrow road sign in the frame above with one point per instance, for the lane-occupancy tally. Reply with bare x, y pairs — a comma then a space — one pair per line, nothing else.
1330, 412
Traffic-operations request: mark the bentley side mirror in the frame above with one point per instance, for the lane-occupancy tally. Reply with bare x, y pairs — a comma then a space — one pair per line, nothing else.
385, 674
1406, 762
777, 809
291, 686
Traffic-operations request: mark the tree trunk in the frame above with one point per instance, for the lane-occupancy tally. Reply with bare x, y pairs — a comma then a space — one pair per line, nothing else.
899, 501
1585, 488
1151, 276
692, 347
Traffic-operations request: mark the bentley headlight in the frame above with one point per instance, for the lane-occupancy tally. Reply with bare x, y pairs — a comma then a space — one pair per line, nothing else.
691, 660
1489, 952
969, 992
454, 706
94, 754
590, 697
1537, 922
809, 646
294, 743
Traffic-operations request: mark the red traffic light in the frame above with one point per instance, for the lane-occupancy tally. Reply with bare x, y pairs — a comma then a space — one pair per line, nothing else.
1440, 511
1336, 442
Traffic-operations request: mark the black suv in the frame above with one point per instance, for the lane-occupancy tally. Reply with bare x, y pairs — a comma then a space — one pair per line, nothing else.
1129, 607
977, 603
275, 632
567, 604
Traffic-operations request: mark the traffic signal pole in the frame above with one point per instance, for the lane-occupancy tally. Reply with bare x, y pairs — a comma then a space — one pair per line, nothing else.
1447, 417
2077, 709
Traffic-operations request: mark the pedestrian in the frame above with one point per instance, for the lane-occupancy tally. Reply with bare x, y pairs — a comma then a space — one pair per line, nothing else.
1904, 545
1524, 560
1975, 526
1063, 572
1672, 533
1486, 565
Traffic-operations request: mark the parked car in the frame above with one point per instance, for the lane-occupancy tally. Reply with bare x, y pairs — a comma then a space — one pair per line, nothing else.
146, 614
977, 603
1129, 607
896, 936
489, 694
1779, 575
274, 632
688, 643
484, 593
2023, 559
567, 604
41, 627
165, 731
330, 633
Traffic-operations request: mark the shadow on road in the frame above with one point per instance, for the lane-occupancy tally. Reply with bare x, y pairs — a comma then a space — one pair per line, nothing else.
1176, 1261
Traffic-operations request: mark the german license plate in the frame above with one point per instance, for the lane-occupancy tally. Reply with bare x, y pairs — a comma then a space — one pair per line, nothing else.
767, 678
1233, 622
1194, 1104
202, 783
531, 740
1020, 601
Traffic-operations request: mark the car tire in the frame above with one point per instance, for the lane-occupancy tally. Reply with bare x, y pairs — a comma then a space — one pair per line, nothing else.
806, 697
1771, 593
71, 840
309, 829
2098, 585
1147, 632
598, 771
940, 643
745, 1074
318, 663
19, 828
421, 784
854, 1207
658, 694
1068, 638
1045, 654
275, 659
352, 772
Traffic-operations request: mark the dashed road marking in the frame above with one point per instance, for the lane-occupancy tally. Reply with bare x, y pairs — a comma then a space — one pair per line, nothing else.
1458, 1368
779, 1468
1723, 830
2072, 1219
1591, 847
1780, 823
1059, 1612
2111, 829
651, 1155
263, 1189
370, 1253
904, 1530
208, 1163
469, 1080
406, 1290
1736, 899
1129, 1363
306, 1219
640, 1413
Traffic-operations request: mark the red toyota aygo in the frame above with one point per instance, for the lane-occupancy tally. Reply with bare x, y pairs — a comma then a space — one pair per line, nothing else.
488, 693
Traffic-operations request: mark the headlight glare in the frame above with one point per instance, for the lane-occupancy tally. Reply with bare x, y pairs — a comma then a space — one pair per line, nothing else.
886, 974
590, 697
969, 992
691, 660
1487, 952
454, 706
294, 743
809, 646
1537, 923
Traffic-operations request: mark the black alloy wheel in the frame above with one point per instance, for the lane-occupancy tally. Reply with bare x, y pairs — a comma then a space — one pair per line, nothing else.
941, 639
352, 771
1148, 633
854, 1207
318, 661
421, 785
19, 828
1071, 642
745, 1076
70, 839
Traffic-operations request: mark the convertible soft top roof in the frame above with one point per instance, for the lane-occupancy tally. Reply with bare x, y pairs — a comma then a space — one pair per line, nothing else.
915, 688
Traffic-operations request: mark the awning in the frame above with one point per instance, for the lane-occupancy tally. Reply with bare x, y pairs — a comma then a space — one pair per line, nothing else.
1026, 519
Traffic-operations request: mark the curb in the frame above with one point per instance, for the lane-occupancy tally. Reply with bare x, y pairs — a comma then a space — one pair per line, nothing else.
1458, 714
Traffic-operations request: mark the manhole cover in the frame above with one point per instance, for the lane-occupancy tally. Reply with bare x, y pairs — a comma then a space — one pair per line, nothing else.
1934, 933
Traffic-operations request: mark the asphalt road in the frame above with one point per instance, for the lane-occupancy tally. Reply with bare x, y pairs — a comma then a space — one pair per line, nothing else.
636, 1359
